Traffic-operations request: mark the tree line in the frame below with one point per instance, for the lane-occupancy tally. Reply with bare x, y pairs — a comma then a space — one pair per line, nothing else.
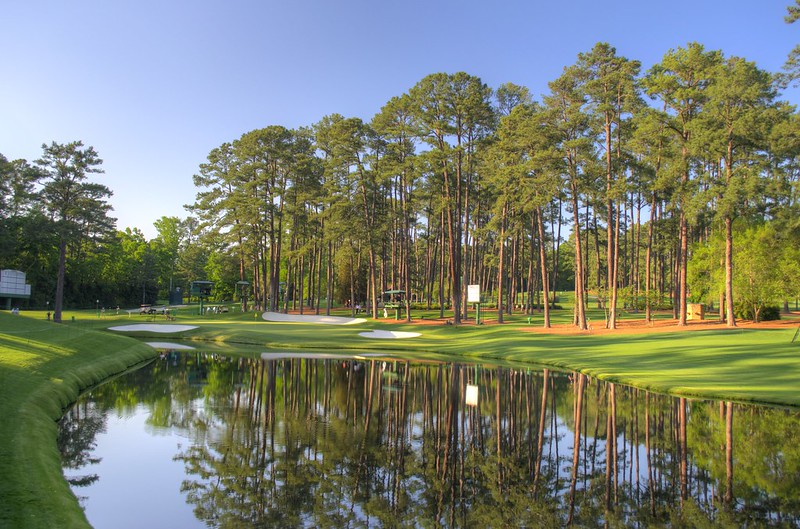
641, 190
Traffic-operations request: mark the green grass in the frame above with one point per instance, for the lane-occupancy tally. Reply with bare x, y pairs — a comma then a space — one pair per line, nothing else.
44, 366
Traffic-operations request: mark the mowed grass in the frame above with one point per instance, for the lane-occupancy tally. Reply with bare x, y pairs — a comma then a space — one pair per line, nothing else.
44, 366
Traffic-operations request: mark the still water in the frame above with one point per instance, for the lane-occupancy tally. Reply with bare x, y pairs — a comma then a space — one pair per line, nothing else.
204, 440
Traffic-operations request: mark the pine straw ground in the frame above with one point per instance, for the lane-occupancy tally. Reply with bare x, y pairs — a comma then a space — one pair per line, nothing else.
663, 325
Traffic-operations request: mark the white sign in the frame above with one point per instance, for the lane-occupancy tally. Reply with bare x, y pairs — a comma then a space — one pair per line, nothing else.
472, 395
12, 284
473, 293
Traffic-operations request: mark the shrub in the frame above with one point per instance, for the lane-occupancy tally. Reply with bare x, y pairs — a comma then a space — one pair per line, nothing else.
745, 311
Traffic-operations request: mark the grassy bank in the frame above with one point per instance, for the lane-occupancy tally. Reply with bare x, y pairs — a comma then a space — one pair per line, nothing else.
43, 367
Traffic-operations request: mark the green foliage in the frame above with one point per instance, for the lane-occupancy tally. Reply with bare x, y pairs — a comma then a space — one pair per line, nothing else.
758, 282
351, 274
223, 269
767, 270
707, 273
746, 311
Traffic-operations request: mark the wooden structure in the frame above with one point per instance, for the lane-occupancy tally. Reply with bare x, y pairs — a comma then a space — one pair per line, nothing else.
695, 311
394, 299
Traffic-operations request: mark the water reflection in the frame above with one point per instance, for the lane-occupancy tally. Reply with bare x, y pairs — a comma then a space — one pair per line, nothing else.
375, 442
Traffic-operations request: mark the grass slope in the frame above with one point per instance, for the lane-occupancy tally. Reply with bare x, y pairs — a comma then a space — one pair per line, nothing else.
43, 368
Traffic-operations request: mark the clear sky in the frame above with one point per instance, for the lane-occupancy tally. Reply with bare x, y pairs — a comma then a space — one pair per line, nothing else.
154, 85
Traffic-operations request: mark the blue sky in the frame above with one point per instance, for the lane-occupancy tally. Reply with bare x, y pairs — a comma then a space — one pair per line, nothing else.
155, 85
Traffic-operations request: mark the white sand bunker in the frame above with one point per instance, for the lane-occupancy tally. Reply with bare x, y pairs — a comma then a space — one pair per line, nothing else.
298, 318
153, 327
389, 334
169, 345
305, 356
322, 356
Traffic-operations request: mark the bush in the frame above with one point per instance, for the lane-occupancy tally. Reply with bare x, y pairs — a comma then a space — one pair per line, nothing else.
744, 311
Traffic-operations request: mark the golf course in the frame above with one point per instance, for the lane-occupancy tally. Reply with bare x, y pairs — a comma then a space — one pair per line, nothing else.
44, 366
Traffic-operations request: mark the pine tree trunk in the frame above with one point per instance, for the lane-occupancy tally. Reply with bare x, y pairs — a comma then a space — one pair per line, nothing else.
441, 271
610, 236
613, 266
729, 271
301, 273
580, 305
501, 266
58, 303
682, 268
352, 287
543, 264
598, 264
329, 285
556, 245
729, 452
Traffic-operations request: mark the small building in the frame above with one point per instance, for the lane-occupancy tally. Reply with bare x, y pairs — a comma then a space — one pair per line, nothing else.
13, 286
201, 289
395, 300
176, 296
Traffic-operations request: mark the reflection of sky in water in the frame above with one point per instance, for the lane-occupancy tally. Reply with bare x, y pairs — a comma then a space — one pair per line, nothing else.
136, 458
140, 481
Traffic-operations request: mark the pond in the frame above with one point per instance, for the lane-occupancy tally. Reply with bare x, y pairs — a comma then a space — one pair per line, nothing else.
288, 440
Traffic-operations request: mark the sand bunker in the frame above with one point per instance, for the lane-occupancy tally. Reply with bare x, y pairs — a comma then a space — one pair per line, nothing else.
323, 356
298, 318
153, 327
169, 345
307, 356
389, 334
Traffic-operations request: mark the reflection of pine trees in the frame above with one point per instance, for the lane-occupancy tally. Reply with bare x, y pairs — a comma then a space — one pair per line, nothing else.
296, 443
76, 440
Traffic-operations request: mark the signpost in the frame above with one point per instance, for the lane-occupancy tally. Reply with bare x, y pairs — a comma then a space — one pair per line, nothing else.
471, 396
474, 296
